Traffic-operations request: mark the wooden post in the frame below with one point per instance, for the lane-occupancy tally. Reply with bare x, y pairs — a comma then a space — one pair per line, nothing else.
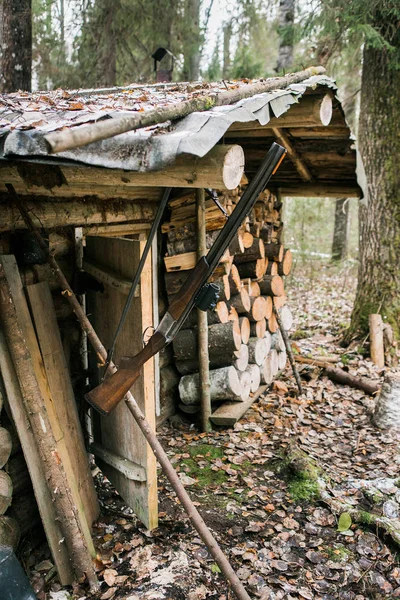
376, 340
288, 350
202, 325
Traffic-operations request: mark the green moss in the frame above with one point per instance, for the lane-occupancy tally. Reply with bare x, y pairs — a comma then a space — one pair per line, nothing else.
206, 450
338, 553
366, 517
345, 358
205, 476
300, 334
303, 489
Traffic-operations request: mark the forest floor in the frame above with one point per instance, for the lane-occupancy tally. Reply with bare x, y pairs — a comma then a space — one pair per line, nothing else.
280, 537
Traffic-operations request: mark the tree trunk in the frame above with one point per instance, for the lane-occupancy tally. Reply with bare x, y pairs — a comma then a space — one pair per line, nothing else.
379, 268
226, 66
15, 45
192, 41
341, 229
286, 34
387, 408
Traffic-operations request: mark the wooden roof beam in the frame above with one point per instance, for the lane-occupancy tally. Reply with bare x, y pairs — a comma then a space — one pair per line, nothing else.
311, 111
320, 190
302, 169
221, 168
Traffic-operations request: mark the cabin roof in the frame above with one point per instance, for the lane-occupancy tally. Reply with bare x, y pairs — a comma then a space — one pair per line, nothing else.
328, 152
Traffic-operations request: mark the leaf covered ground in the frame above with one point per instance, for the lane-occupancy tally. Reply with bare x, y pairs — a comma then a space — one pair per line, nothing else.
284, 542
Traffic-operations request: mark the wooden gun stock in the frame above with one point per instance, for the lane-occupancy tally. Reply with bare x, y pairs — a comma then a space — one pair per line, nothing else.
111, 391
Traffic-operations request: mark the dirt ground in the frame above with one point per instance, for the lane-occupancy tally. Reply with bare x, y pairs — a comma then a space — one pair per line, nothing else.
268, 517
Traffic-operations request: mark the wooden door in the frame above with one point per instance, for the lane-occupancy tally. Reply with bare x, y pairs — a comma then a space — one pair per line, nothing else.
120, 448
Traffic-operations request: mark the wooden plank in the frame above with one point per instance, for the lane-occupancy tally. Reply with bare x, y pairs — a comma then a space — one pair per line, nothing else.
72, 449
109, 278
187, 261
36, 466
128, 468
229, 413
118, 433
118, 230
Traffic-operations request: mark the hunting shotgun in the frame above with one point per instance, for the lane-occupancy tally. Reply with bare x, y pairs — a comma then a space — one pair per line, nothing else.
194, 292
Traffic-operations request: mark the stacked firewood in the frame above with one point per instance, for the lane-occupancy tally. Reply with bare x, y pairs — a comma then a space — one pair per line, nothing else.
246, 348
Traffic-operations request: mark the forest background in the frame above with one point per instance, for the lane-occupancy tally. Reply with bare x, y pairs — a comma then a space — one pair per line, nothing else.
99, 43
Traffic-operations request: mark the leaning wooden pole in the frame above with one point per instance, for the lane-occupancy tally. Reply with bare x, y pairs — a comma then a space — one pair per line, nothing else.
139, 417
202, 321
74, 137
288, 350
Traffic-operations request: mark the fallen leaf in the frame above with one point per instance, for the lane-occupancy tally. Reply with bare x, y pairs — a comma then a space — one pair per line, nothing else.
344, 522
109, 594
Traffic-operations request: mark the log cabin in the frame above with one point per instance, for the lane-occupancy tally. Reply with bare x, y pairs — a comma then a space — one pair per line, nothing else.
89, 168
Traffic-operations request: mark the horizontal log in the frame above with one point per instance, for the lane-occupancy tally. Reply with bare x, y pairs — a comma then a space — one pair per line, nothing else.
320, 190
220, 314
49, 215
255, 377
311, 111
274, 251
238, 359
6, 490
285, 266
241, 302
272, 285
74, 181
286, 317
221, 168
253, 269
277, 341
282, 360
189, 244
279, 301
272, 268
341, 376
259, 308
244, 329
234, 280
257, 350
224, 385
272, 323
247, 239
223, 338
5, 446
245, 382
254, 252
258, 328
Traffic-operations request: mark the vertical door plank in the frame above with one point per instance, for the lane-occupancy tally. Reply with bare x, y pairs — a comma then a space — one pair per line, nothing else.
119, 432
